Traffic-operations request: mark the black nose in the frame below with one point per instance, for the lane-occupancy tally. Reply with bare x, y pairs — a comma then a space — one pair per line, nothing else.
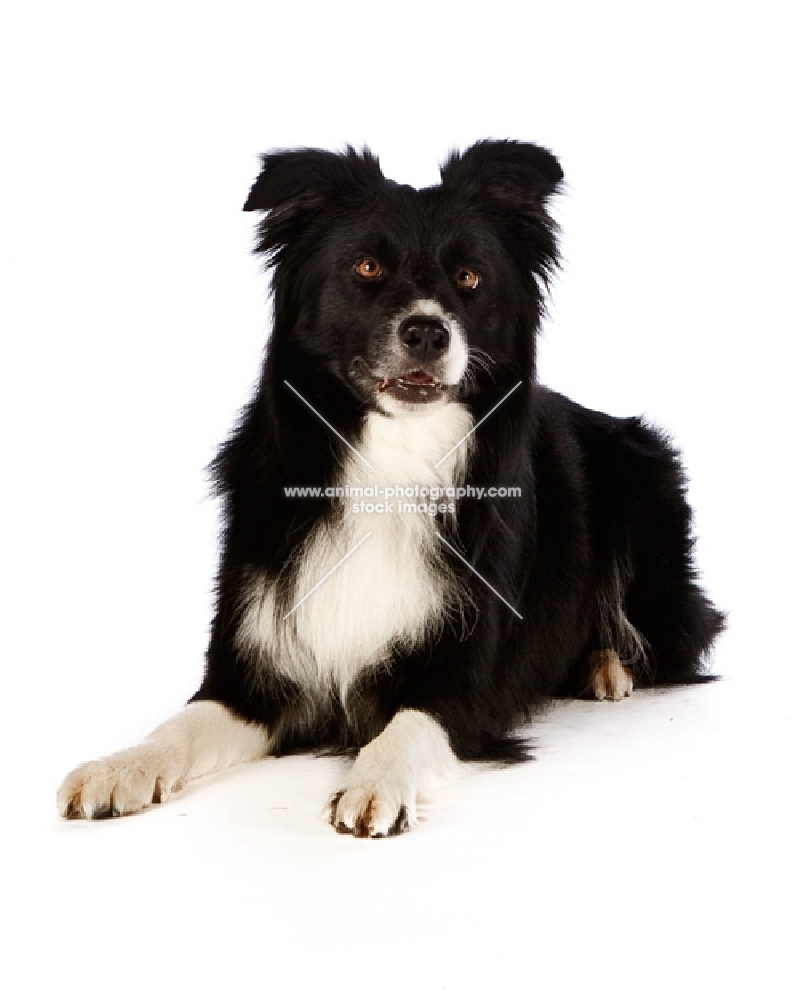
425, 338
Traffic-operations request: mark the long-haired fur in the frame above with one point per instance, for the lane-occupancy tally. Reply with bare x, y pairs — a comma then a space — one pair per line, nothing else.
403, 359
597, 552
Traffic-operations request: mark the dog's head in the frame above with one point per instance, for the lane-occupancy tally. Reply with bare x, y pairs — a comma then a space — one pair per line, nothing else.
409, 297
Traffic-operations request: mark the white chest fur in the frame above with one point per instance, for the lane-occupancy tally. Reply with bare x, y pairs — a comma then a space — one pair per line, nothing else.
389, 591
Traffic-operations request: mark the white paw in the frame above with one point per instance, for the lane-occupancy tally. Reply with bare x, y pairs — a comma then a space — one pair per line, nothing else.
116, 786
373, 809
379, 798
608, 678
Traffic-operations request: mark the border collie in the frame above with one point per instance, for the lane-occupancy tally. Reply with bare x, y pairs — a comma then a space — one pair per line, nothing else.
377, 592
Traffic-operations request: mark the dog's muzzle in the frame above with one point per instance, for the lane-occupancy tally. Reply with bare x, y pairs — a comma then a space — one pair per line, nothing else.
423, 362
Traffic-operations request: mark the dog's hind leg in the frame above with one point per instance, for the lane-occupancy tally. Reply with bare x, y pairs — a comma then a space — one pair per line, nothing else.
609, 678
202, 738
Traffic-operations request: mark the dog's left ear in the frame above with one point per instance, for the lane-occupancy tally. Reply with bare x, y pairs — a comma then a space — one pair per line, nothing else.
505, 170
510, 182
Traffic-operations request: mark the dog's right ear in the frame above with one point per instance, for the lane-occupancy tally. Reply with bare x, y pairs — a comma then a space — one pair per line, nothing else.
296, 186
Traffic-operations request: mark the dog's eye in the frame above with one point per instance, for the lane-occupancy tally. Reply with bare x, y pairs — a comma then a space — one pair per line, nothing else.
467, 279
368, 268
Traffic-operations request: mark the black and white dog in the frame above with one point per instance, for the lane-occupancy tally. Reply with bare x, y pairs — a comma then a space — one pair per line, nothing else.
377, 592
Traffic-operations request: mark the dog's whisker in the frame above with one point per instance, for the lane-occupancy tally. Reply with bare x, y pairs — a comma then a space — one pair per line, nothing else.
475, 362
479, 352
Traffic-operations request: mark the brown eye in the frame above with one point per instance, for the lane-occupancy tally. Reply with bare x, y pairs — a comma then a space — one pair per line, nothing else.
467, 279
368, 268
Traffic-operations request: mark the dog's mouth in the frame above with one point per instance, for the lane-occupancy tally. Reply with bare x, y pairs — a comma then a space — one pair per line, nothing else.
415, 386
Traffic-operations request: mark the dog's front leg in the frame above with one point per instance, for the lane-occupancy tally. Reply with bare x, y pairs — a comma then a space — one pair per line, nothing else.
202, 738
379, 798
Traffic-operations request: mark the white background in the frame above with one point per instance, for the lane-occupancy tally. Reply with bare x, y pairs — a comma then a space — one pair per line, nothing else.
651, 849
